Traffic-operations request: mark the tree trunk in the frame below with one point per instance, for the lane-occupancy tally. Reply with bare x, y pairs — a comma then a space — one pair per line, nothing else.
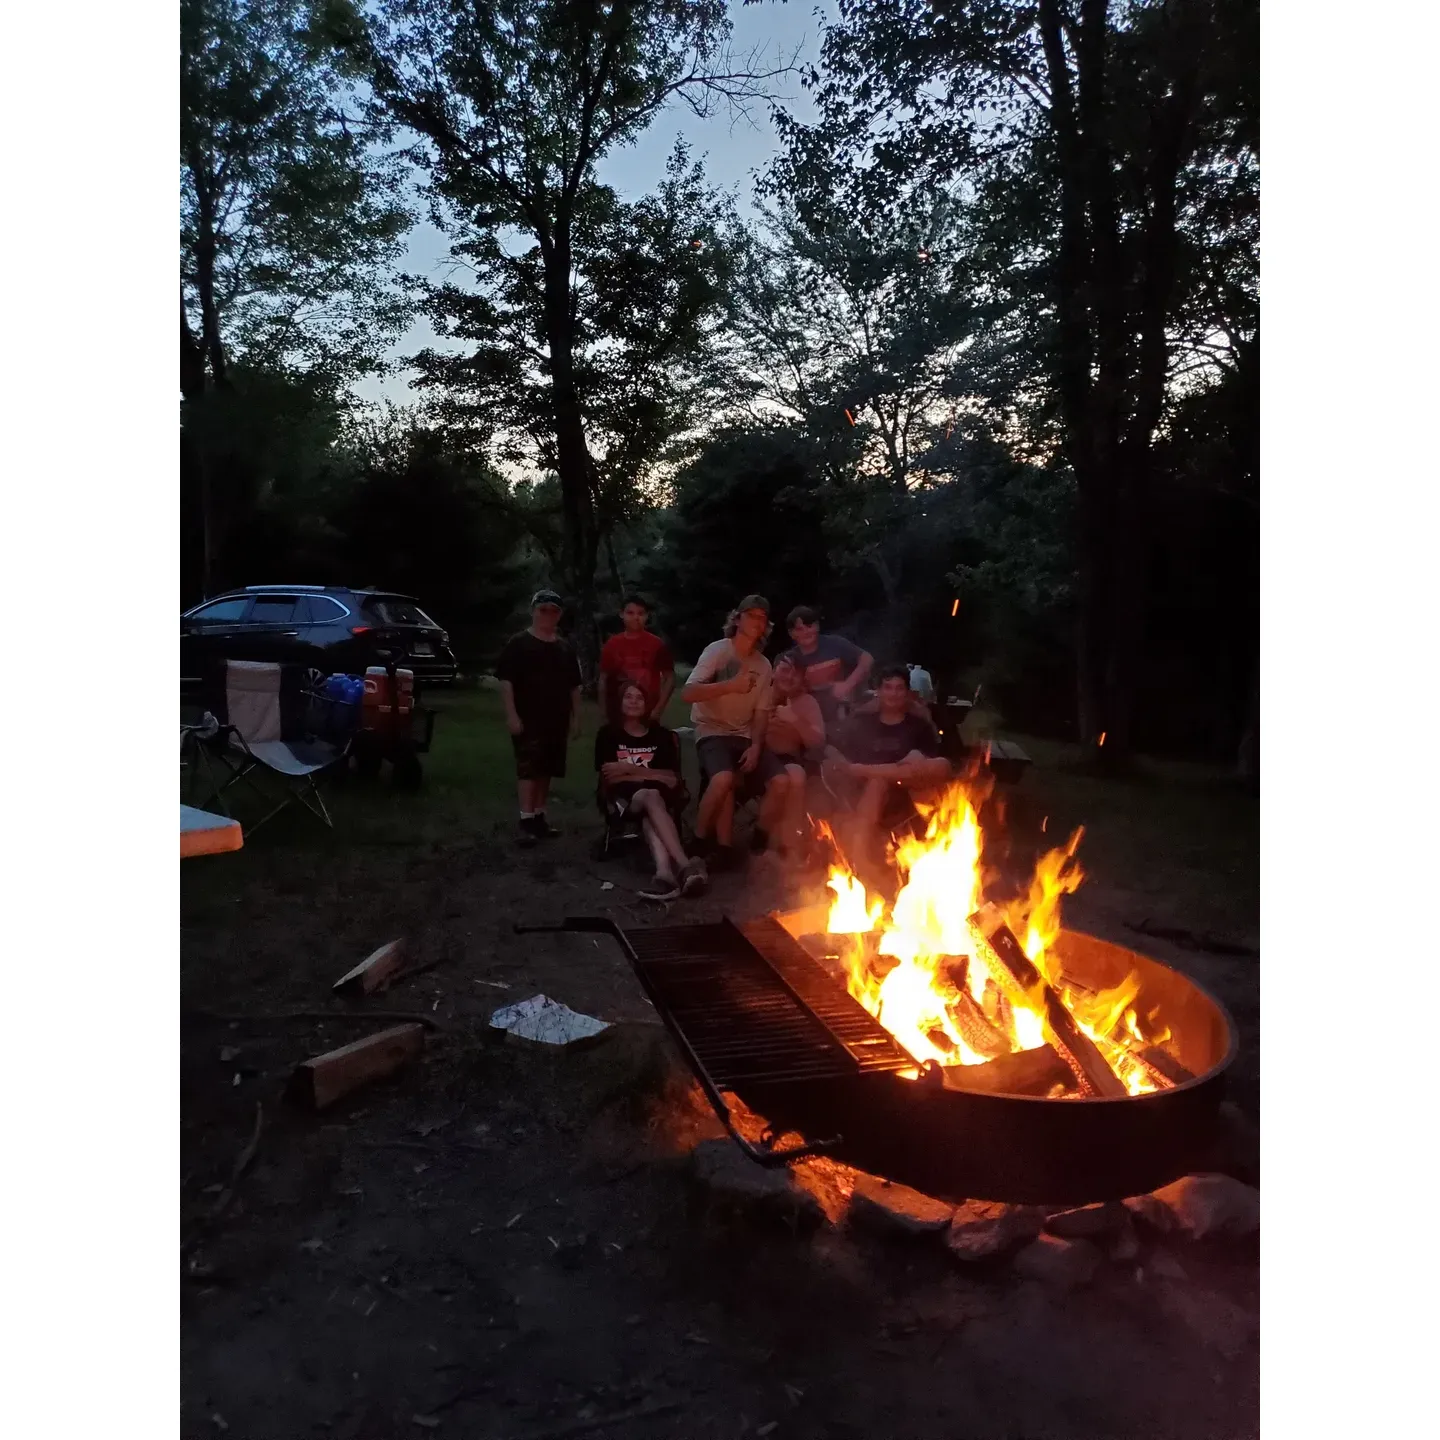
1075, 350
578, 535
205, 249
616, 578
192, 461
1113, 352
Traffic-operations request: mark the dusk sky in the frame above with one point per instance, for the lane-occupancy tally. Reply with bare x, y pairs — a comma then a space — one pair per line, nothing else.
732, 151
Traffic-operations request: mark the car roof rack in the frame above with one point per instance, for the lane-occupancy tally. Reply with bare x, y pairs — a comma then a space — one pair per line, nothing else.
253, 588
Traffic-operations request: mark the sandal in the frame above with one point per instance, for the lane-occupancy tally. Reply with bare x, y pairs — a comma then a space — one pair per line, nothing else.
662, 887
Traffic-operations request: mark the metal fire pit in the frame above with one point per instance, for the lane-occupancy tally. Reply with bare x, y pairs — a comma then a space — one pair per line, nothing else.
755, 1016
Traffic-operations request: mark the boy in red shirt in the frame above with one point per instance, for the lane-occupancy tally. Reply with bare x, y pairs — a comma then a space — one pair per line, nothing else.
636, 654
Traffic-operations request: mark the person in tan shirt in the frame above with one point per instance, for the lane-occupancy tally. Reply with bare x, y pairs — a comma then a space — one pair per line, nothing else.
729, 695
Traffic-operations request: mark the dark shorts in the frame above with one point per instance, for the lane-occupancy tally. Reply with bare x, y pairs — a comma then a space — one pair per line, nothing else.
723, 752
616, 799
809, 762
539, 754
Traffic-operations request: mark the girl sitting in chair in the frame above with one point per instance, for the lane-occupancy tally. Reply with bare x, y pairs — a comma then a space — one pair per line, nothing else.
639, 767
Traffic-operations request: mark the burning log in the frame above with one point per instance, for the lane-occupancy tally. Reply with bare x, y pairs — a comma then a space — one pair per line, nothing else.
975, 1028
1027, 1072
1013, 969
1162, 1066
997, 1009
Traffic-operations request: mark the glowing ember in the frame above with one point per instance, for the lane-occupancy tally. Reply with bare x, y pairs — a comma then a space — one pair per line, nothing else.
908, 968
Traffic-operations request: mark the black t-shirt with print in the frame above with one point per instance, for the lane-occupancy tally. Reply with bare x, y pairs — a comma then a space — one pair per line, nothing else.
868, 740
656, 749
543, 673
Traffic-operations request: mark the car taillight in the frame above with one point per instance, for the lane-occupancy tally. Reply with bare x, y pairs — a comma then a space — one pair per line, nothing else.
360, 629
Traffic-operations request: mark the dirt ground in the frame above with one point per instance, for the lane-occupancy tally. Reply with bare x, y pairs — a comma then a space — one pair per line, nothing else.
506, 1243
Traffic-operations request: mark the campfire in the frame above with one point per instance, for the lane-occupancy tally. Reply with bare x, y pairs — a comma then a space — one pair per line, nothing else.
947, 973
958, 1040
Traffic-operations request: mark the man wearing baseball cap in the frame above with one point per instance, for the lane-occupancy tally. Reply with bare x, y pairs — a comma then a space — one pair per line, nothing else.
729, 695
540, 684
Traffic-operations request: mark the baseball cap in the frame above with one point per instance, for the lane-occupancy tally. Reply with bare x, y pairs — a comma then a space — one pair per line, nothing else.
546, 597
754, 602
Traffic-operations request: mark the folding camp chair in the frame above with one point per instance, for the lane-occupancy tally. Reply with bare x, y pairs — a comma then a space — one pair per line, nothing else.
622, 832
267, 730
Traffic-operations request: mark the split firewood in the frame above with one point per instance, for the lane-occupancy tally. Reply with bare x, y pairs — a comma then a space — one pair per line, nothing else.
321, 1081
375, 971
997, 1008
1162, 1065
1026, 1072
940, 1040
1015, 972
975, 1028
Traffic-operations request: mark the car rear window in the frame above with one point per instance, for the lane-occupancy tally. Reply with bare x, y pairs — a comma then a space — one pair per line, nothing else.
391, 610
319, 610
274, 609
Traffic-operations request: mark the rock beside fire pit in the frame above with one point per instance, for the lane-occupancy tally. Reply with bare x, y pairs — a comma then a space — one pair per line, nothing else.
1090, 1222
1066, 1263
982, 1229
1201, 1207
733, 1180
882, 1206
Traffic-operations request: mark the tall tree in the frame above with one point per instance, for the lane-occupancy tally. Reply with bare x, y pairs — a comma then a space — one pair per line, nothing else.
648, 279
851, 324
289, 221
1085, 130
516, 103
289, 210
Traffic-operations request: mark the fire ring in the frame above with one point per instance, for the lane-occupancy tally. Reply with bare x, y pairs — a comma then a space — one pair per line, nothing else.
922, 1040
756, 1016
1034, 1149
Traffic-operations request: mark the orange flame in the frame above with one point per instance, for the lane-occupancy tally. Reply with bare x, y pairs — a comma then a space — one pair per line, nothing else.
909, 974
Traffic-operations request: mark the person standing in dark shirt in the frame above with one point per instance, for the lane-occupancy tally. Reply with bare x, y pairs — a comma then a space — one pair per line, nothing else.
638, 763
835, 668
540, 684
881, 753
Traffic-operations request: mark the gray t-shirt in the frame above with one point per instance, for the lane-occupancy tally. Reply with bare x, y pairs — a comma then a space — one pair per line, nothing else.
729, 714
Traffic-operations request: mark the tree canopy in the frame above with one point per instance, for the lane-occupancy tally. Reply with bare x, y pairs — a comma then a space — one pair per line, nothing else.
979, 373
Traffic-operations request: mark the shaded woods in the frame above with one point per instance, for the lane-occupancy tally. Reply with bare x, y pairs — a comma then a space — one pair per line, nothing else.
986, 342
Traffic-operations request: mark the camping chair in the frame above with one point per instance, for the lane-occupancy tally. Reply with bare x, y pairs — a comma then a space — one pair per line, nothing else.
620, 833
267, 730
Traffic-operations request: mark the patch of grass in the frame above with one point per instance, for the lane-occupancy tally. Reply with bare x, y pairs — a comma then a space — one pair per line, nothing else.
1179, 834
469, 783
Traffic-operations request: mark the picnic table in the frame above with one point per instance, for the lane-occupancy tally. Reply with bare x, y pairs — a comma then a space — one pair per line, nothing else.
204, 833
